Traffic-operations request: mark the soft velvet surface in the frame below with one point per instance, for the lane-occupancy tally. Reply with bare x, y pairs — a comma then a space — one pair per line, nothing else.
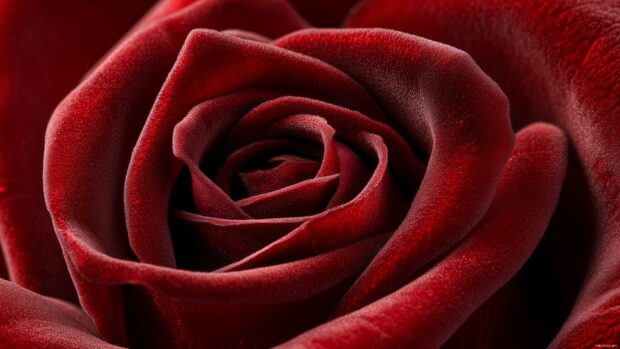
310, 174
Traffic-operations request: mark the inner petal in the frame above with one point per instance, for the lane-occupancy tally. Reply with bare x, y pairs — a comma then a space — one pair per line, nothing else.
302, 198
354, 174
407, 167
287, 170
307, 128
206, 243
234, 65
377, 208
257, 155
201, 129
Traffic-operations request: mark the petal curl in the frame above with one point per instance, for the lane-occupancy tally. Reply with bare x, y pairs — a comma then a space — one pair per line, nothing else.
110, 107
235, 65
441, 100
425, 312
557, 61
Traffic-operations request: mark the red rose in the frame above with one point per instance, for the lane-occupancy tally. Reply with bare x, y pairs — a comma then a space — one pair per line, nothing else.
231, 175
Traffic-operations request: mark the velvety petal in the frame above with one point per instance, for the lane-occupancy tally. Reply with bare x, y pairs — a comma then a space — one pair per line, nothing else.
557, 61
235, 65
307, 197
378, 208
234, 165
441, 100
84, 180
193, 139
45, 48
197, 136
407, 167
212, 201
30, 320
306, 128
354, 174
254, 305
425, 312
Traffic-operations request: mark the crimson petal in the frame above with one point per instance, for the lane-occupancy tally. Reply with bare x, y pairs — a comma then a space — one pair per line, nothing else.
30, 320
442, 101
43, 56
425, 312
557, 61
83, 181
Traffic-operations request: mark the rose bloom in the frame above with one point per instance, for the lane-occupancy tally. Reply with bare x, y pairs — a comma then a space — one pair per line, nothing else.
310, 174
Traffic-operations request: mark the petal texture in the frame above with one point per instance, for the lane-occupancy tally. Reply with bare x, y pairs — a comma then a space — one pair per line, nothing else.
45, 48
30, 320
428, 310
557, 61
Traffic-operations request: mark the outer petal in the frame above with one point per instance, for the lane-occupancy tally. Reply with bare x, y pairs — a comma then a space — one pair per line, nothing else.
424, 313
235, 65
557, 61
30, 320
446, 105
45, 48
142, 304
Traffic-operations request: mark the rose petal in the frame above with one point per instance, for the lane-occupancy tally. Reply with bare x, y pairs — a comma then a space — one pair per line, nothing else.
354, 174
235, 65
376, 209
200, 130
307, 197
407, 167
441, 100
257, 304
30, 320
557, 61
425, 312
300, 199
235, 163
289, 171
43, 55
84, 180
306, 127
